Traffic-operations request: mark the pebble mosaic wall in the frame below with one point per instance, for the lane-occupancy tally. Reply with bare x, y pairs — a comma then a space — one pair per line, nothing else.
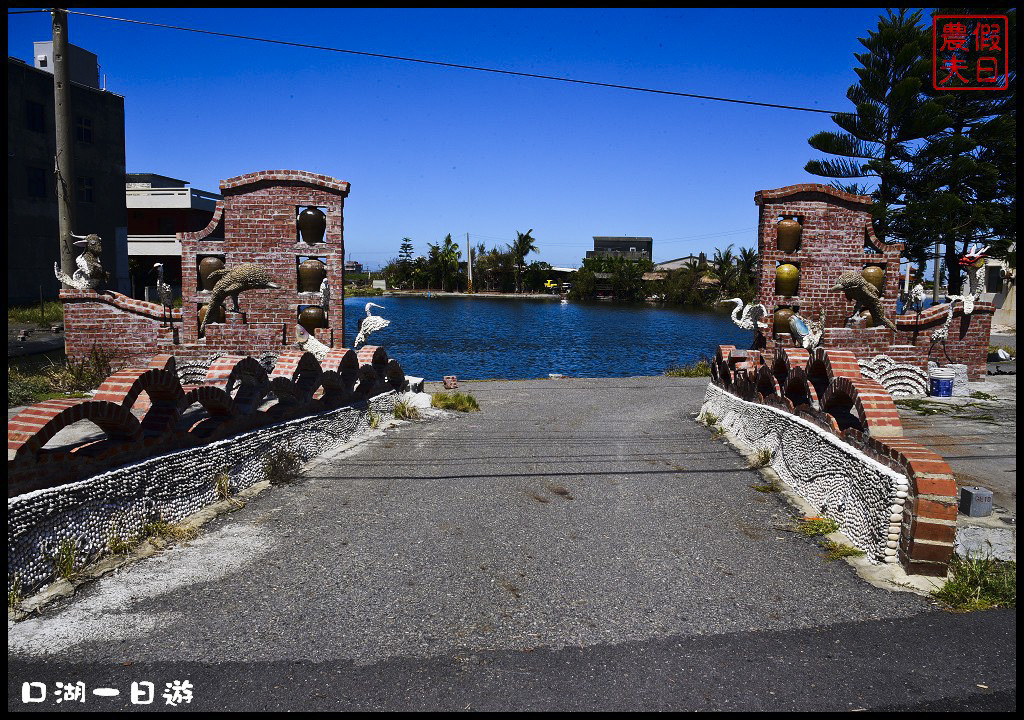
117, 504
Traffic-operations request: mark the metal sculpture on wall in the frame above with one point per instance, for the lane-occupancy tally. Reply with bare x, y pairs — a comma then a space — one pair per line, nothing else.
807, 336
370, 324
750, 319
90, 273
231, 282
865, 296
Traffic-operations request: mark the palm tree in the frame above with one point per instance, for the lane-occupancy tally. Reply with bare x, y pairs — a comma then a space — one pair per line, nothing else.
523, 246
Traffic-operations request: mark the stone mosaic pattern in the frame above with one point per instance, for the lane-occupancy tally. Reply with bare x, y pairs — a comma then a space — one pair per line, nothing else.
899, 379
169, 487
865, 497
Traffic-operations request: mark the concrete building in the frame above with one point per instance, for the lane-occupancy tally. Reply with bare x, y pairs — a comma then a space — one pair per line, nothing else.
632, 248
159, 207
98, 186
689, 260
352, 266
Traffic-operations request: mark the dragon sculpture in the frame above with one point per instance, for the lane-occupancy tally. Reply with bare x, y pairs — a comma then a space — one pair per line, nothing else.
864, 295
90, 273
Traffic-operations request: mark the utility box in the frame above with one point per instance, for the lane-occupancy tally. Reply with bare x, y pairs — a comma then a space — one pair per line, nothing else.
975, 501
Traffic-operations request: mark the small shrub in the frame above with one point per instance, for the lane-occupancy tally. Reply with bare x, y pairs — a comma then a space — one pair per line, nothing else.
814, 526
979, 583
458, 401
281, 466
698, 368
835, 551
405, 411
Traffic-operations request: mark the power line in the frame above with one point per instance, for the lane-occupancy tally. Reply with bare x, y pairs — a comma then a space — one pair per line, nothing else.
438, 63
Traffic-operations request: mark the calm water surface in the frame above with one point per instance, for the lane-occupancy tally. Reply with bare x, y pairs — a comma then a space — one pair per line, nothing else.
479, 338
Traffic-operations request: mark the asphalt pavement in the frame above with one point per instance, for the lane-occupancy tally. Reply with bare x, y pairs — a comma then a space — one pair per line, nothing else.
577, 544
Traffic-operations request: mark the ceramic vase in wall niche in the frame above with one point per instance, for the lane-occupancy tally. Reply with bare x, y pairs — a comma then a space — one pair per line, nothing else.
208, 265
780, 320
787, 277
219, 316
876, 276
312, 317
787, 234
312, 224
311, 273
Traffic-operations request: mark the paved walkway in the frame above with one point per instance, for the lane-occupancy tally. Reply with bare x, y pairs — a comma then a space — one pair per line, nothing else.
578, 544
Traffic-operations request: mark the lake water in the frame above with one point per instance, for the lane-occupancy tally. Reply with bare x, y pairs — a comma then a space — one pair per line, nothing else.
478, 338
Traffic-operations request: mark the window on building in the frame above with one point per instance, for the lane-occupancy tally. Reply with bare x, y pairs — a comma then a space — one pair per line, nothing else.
84, 189
36, 184
35, 116
83, 129
993, 279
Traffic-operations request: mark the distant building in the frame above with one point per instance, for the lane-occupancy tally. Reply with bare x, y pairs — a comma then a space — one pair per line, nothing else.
97, 118
159, 207
689, 260
351, 266
632, 248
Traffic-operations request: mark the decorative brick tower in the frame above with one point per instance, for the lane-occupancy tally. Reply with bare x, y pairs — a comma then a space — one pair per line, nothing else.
258, 218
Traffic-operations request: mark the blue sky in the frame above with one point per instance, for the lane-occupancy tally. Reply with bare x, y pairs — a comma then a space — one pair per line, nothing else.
431, 151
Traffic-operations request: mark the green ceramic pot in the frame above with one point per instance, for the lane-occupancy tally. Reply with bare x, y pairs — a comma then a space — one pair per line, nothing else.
787, 234
787, 278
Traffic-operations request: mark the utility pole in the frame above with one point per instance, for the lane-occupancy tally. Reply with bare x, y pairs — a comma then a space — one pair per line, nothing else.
469, 264
938, 275
64, 164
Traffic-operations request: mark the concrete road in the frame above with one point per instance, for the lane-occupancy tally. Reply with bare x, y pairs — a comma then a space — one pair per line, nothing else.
578, 544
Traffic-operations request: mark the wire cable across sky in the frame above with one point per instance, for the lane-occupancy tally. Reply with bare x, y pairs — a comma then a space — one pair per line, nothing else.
459, 66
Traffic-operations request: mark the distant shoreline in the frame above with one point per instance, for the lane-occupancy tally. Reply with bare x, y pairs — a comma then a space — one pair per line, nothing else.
437, 293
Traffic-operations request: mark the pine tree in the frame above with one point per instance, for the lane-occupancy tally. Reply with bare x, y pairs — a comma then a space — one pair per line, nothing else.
891, 113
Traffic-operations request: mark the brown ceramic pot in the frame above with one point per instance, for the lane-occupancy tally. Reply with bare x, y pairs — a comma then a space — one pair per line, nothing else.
787, 234
780, 320
208, 265
876, 276
787, 279
311, 273
313, 317
312, 224
219, 317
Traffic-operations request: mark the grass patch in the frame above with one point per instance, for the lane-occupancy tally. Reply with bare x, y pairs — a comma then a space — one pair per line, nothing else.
835, 551
979, 583
405, 411
66, 558
164, 531
979, 395
373, 419
52, 314
14, 593
814, 526
699, 368
121, 546
763, 458
769, 486
461, 402
281, 466
70, 378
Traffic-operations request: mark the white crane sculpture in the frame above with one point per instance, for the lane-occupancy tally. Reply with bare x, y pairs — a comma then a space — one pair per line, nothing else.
325, 296
370, 324
307, 342
970, 293
751, 317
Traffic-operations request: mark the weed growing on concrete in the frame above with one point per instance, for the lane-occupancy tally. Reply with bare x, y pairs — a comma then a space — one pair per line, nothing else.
768, 486
164, 531
281, 466
835, 550
120, 545
66, 558
461, 402
405, 411
699, 368
14, 593
222, 482
979, 395
814, 526
763, 458
373, 419
979, 583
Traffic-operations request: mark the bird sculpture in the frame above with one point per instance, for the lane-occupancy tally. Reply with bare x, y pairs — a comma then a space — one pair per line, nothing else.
163, 289
807, 334
751, 314
325, 295
370, 324
864, 295
917, 297
970, 293
90, 272
231, 282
